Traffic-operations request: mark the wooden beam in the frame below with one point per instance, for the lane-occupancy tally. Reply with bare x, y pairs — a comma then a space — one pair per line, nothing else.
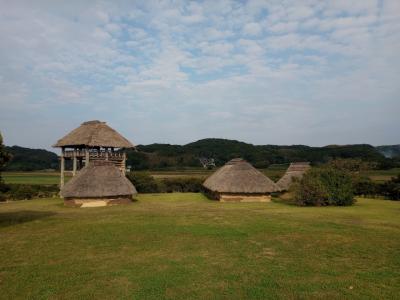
74, 163
62, 168
124, 163
87, 157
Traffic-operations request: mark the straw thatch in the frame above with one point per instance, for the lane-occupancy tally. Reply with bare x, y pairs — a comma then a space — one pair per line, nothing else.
294, 172
99, 180
239, 177
94, 134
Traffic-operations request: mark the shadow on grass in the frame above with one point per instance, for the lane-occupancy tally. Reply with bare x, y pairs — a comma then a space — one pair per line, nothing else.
18, 217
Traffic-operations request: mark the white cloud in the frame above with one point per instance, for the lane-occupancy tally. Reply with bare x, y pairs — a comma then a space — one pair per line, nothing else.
252, 67
252, 29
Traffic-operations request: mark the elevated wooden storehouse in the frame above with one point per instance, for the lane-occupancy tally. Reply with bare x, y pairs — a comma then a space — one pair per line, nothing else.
239, 181
294, 172
92, 141
100, 183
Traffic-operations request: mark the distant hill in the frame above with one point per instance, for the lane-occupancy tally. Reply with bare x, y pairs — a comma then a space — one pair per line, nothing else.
166, 156
391, 151
26, 159
159, 156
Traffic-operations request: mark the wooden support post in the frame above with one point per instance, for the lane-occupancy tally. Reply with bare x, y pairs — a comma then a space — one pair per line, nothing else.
87, 157
74, 163
62, 167
124, 163
106, 153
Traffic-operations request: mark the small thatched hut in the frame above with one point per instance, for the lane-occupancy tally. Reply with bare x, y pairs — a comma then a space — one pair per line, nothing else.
294, 172
100, 183
239, 181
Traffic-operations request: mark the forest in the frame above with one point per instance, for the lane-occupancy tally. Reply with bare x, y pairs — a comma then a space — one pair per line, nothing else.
175, 157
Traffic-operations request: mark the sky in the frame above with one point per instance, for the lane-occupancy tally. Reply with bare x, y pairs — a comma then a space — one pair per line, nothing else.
265, 72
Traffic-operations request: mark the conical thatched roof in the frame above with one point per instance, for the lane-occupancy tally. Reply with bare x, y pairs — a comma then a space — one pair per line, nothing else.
94, 134
100, 179
294, 172
238, 176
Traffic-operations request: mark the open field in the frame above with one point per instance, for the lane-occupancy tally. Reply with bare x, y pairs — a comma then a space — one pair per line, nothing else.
382, 175
273, 173
32, 177
183, 246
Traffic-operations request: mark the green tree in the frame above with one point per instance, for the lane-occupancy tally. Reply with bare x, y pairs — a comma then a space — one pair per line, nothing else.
4, 158
352, 164
4, 155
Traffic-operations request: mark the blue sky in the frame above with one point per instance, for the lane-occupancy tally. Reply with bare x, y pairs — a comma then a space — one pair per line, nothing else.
266, 72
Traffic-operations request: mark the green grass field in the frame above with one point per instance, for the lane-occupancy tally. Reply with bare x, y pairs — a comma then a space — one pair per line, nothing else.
382, 175
32, 177
273, 173
183, 246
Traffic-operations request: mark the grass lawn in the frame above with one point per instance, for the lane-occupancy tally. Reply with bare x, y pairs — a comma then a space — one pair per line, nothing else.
183, 246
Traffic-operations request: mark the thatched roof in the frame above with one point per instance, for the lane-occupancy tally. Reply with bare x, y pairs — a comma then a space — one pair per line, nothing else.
100, 179
94, 134
238, 176
294, 172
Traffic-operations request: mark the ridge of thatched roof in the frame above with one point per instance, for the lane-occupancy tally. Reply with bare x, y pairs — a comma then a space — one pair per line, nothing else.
294, 172
100, 179
238, 176
94, 134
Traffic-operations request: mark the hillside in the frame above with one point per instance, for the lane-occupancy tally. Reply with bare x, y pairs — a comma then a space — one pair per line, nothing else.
26, 159
221, 150
391, 151
166, 156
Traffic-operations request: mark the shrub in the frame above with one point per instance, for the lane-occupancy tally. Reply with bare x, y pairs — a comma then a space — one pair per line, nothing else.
364, 186
182, 185
322, 187
144, 182
30, 191
391, 189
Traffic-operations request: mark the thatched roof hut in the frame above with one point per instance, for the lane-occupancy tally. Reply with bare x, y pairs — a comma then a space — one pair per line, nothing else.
100, 183
93, 140
294, 172
238, 180
94, 134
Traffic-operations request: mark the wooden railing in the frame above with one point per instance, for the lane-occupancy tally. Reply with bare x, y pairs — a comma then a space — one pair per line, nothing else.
95, 154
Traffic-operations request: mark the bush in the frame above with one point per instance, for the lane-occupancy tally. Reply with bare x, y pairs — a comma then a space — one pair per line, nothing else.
364, 186
182, 185
30, 191
391, 189
322, 187
144, 183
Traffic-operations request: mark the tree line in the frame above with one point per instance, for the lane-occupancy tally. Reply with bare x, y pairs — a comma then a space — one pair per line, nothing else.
174, 157
164, 156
